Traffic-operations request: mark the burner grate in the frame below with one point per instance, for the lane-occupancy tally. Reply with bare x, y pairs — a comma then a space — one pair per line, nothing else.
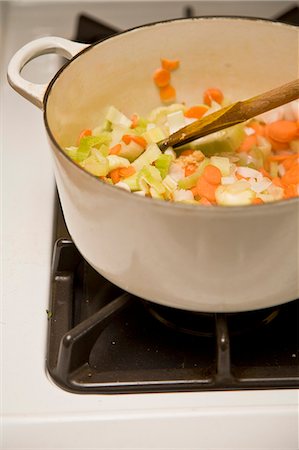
104, 340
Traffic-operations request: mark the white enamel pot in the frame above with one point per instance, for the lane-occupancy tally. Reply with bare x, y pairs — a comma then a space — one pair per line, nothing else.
191, 257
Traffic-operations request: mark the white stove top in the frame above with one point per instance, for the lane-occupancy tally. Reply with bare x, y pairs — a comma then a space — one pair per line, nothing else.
35, 412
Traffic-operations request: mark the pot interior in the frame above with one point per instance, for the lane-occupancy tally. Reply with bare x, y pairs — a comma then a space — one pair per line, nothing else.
243, 57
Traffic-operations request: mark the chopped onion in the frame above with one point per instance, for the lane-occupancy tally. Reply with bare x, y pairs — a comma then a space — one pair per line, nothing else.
249, 131
176, 172
260, 186
181, 195
248, 172
227, 180
123, 185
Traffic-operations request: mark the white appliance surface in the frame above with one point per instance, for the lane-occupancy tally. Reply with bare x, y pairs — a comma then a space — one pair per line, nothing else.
35, 413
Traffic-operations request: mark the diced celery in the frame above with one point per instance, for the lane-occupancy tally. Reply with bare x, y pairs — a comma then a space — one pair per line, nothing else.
224, 141
102, 151
170, 183
154, 135
163, 164
131, 151
88, 142
222, 163
175, 120
133, 182
155, 194
71, 152
152, 177
191, 180
96, 167
117, 117
116, 161
149, 156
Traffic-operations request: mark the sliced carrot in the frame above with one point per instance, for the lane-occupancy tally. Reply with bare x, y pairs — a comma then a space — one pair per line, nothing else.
212, 174
290, 191
248, 143
282, 130
277, 182
205, 201
170, 64
190, 169
134, 119
212, 94
291, 176
258, 128
126, 172
194, 191
257, 201
187, 152
289, 162
196, 112
206, 189
161, 77
115, 149
167, 93
115, 175
84, 133
127, 138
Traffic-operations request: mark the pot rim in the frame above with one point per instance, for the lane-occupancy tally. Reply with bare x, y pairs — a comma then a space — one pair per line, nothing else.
156, 202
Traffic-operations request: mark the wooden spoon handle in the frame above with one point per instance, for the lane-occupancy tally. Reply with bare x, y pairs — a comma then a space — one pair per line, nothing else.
233, 114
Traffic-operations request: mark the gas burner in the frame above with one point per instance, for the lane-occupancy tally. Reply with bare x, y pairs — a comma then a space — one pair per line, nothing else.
203, 324
105, 340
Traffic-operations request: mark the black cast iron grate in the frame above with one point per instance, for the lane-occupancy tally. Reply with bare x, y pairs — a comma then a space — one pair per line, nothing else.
104, 340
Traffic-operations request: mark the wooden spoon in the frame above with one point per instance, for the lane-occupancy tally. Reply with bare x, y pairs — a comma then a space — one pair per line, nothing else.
231, 115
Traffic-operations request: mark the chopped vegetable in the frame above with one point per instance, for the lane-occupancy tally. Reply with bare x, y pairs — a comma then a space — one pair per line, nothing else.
247, 164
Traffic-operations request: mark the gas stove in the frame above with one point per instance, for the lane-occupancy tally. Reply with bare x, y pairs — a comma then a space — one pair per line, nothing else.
173, 378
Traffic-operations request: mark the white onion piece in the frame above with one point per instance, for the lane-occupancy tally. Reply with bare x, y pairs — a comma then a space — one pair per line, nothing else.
227, 180
176, 120
123, 185
182, 195
272, 116
176, 172
291, 110
260, 186
170, 152
141, 193
281, 170
249, 131
248, 172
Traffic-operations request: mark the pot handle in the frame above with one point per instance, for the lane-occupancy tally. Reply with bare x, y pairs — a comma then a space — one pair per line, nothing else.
32, 91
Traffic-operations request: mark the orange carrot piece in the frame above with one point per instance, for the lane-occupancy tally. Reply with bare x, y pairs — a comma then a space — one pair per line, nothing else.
212, 94
194, 191
290, 191
212, 174
115, 149
134, 119
196, 112
247, 144
167, 93
126, 172
277, 182
84, 133
205, 201
161, 77
257, 201
115, 175
289, 162
190, 169
291, 176
258, 128
127, 138
170, 64
282, 130
206, 189
187, 152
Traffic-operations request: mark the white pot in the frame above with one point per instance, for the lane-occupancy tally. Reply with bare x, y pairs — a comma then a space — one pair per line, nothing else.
185, 256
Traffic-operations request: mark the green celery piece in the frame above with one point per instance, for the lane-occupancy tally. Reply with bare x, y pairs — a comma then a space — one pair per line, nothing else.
85, 146
162, 164
224, 141
152, 176
133, 182
148, 157
71, 152
191, 180
141, 126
